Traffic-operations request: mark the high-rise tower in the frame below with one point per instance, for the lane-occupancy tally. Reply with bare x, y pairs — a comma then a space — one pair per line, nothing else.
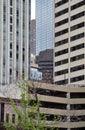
44, 25
14, 39
69, 46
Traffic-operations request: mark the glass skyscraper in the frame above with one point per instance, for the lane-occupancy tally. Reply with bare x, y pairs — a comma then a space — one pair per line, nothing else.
44, 25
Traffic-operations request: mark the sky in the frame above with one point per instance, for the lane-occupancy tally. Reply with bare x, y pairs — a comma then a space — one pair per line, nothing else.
33, 9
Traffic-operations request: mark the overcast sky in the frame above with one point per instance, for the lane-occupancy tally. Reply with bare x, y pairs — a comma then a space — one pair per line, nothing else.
33, 9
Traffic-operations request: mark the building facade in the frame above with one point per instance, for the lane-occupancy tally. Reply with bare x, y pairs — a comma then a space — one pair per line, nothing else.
14, 39
68, 102
69, 42
45, 65
33, 36
44, 25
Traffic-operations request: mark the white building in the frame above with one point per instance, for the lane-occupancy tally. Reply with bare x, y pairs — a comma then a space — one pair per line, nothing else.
69, 46
14, 39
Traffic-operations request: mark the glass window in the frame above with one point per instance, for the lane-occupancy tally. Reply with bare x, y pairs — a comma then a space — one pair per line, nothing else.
10, 28
11, 11
64, 41
77, 68
10, 19
61, 22
61, 52
61, 72
78, 57
13, 118
77, 15
78, 78
11, 2
61, 32
61, 62
77, 47
77, 26
78, 5
75, 37
60, 3
61, 12
10, 54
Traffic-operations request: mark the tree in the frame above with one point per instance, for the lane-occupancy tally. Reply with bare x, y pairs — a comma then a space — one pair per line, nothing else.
29, 116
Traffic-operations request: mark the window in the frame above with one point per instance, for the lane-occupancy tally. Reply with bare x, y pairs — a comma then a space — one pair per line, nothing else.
78, 57
74, 48
61, 22
13, 118
11, 11
77, 68
61, 32
2, 112
78, 36
17, 13
75, 79
61, 62
60, 3
11, 2
61, 42
10, 28
61, 52
10, 19
61, 82
10, 54
61, 72
78, 5
77, 15
7, 117
61, 12
17, 56
10, 71
11, 36
77, 26
10, 45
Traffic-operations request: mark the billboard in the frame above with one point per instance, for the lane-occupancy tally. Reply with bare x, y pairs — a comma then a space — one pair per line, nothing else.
35, 74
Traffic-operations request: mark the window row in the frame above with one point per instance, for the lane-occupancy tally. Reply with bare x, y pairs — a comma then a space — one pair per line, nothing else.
78, 36
78, 57
64, 41
78, 5
77, 26
62, 82
74, 48
78, 78
73, 38
77, 15
77, 68
74, 79
72, 59
65, 61
60, 3
61, 22
61, 12
61, 72
61, 32
61, 52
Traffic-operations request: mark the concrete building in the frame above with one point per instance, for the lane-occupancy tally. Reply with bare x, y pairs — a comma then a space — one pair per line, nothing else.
66, 101
14, 39
45, 65
69, 42
33, 36
44, 25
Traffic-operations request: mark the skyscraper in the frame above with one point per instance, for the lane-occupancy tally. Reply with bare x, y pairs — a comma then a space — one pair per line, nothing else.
14, 39
44, 25
33, 36
69, 50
